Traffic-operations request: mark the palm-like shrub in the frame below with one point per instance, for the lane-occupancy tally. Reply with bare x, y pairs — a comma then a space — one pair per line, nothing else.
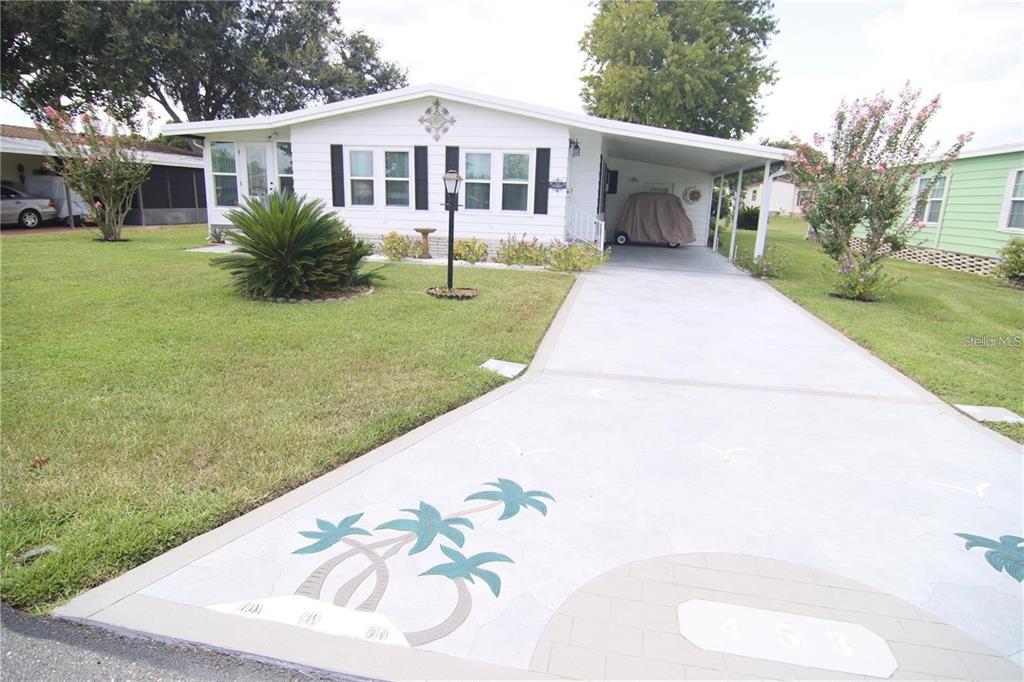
293, 247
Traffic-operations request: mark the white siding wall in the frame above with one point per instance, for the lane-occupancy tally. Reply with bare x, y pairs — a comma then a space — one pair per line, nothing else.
649, 173
396, 127
585, 169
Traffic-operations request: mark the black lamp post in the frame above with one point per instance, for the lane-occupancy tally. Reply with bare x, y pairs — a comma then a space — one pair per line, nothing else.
452, 180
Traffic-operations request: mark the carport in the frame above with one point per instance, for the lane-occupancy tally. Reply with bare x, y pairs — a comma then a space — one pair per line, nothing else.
619, 159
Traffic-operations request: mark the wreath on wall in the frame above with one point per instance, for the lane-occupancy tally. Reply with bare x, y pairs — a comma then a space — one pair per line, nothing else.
692, 195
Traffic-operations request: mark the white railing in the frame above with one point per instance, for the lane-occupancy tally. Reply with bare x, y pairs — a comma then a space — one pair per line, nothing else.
581, 226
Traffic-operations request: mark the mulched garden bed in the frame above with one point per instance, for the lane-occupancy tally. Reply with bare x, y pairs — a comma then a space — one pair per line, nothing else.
346, 295
459, 294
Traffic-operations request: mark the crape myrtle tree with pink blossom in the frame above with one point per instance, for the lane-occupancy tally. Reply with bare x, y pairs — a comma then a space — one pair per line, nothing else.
100, 161
864, 176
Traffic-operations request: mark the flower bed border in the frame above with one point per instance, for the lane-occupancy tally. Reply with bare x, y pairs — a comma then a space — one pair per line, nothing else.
339, 297
456, 294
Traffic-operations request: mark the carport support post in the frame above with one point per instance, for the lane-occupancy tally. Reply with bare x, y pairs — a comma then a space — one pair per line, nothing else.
67, 199
736, 214
718, 212
762, 219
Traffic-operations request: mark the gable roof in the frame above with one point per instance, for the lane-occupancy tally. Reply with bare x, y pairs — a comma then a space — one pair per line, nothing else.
581, 121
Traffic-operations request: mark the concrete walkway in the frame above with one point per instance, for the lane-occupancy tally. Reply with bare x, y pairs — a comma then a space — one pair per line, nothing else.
685, 435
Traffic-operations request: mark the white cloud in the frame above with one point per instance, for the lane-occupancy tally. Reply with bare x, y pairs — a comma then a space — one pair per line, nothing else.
527, 49
970, 53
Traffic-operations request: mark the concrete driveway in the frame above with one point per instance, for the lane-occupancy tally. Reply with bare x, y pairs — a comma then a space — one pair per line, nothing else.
685, 435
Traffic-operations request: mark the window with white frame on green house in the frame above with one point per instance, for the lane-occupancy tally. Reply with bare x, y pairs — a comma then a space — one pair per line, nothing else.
1013, 208
930, 210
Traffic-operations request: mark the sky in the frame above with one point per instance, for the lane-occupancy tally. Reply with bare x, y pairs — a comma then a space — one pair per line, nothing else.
972, 53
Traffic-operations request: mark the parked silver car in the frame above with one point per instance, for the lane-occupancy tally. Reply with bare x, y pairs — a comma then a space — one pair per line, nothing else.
24, 209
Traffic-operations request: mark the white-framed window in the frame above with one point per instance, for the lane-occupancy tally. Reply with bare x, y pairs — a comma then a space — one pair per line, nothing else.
478, 181
397, 177
930, 210
225, 174
360, 164
515, 181
285, 172
1012, 218
497, 180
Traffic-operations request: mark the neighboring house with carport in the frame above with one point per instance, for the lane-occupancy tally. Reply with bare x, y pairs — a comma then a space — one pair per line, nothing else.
972, 211
378, 161
173, 194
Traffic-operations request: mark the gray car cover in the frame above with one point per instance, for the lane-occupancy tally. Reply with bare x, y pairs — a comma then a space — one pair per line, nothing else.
656, 218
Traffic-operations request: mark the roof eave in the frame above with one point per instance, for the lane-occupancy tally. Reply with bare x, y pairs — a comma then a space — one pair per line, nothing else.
601, 125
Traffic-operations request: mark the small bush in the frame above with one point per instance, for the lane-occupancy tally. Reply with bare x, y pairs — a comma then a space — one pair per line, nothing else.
575, 257
521, 251
1011, 267
288, 246
398, 246
860, 284
216, 235
749, 216
771, 264
471, 250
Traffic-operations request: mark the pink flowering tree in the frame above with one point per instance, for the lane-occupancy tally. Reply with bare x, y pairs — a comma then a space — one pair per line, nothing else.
102, 163
862, 180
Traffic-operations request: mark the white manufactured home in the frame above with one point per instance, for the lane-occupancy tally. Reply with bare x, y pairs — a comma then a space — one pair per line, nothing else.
378, 161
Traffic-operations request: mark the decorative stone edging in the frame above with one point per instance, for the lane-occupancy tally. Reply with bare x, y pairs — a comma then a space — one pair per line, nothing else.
457, 294
330, 299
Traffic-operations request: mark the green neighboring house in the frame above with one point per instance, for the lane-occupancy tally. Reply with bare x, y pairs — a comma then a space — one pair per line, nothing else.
978, 206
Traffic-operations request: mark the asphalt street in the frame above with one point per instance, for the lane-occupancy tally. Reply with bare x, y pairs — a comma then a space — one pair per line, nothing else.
43, 649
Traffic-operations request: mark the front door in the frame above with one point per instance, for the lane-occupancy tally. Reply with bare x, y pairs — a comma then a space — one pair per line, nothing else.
257, 177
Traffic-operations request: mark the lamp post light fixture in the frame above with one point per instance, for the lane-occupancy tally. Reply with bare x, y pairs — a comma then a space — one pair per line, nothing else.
452, 180
574, 147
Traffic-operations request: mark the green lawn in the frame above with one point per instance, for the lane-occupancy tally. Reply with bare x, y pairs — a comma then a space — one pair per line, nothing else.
921, 326
144, 403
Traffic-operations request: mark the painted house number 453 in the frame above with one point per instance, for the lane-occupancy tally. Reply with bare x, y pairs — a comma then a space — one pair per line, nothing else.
788, 638
820, 643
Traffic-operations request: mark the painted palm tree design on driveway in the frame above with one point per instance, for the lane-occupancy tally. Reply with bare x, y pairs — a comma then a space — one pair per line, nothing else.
460, 569
512, 495
330, 534
428, 525
425, 526
1005, 555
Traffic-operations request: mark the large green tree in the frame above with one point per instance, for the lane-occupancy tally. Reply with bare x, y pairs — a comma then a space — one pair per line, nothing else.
197, 59
695, 66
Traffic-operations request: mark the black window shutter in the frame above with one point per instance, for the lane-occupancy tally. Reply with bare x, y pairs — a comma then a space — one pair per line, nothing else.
451, 159
541, 179
338, 174
613, 182
420, 169
600, 187
451, 162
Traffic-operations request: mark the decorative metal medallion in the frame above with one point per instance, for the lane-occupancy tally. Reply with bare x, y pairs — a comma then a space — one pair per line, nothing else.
436, 120
692, 195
